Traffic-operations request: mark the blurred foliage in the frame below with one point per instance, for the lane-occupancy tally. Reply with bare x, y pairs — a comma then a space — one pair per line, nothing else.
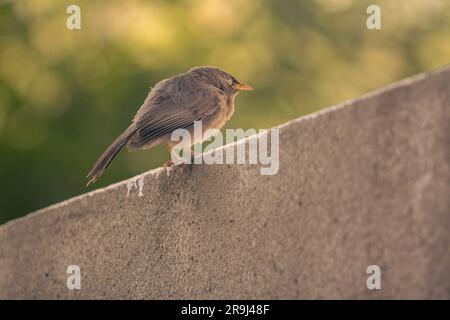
66, 94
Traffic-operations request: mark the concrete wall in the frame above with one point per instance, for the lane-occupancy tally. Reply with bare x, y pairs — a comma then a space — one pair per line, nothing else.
364, 183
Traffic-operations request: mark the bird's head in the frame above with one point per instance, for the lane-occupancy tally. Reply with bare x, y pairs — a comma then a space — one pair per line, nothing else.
220, 79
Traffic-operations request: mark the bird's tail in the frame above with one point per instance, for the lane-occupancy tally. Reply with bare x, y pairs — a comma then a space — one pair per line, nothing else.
107, 156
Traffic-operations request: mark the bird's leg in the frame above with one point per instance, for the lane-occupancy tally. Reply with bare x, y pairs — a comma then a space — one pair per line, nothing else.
169, 163
191, 155
194, 154
176, 158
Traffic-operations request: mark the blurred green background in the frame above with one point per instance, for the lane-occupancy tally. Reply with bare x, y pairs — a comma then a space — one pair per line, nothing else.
66, 94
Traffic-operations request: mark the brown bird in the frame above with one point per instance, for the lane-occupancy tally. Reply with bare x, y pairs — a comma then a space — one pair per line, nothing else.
202, 94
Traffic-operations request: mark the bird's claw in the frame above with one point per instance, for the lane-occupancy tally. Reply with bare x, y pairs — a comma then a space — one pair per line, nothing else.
169, 164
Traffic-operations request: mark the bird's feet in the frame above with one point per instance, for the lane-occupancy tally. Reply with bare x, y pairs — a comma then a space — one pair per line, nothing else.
169, 163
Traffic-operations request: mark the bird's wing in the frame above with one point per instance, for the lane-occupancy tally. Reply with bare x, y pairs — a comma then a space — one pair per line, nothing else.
162, 115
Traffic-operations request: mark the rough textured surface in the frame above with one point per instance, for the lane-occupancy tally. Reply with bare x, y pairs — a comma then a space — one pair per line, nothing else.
367, 182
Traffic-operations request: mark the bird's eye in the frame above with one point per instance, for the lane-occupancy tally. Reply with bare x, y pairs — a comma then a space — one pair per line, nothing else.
230, 82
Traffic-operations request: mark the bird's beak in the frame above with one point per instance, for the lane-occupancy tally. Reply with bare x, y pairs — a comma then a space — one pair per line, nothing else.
243, 87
